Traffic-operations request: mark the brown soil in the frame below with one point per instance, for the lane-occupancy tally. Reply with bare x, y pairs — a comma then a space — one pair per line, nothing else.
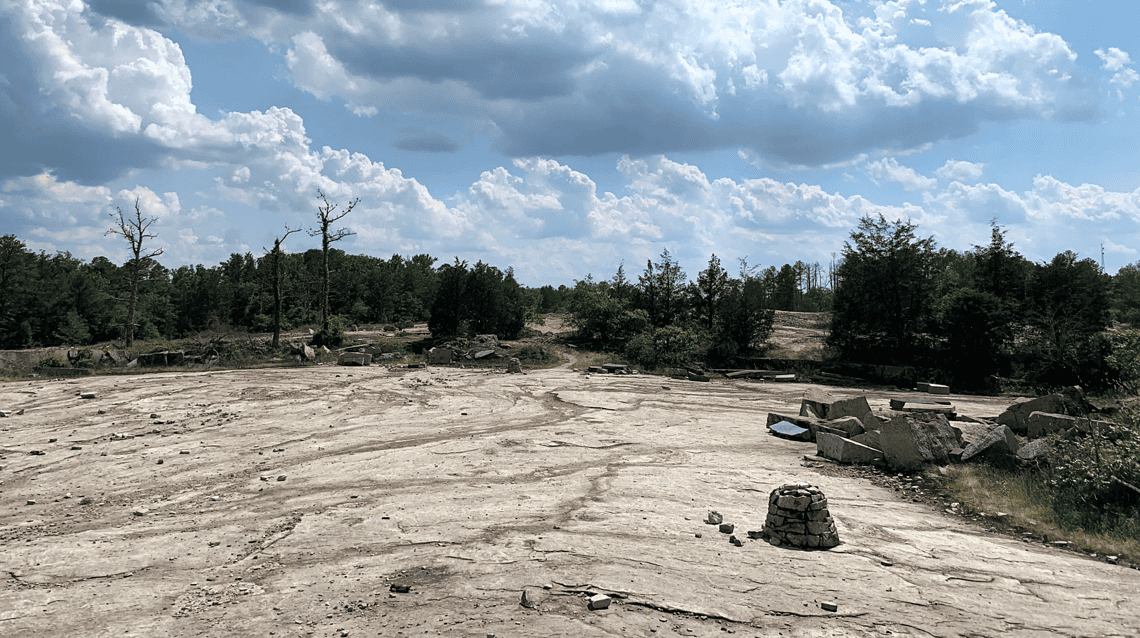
468, 486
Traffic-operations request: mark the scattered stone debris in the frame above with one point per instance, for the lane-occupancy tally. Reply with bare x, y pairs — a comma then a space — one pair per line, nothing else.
798, 516
598, 601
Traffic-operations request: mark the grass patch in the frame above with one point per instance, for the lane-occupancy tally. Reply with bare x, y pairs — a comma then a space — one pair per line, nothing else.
1032, 505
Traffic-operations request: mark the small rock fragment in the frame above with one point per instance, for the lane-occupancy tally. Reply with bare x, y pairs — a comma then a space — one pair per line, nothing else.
52, 440
829, 606
727, 528
86, 395
756, 534
281, 478
598, 601
400, 589
31, 502
77, 447
159, 462
532, 597
714, 518
735, 541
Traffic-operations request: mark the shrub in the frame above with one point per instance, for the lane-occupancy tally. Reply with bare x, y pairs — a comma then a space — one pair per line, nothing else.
1124, 359
85, 359
52, 362
1089, 475
668, 347
332, 338
535, 354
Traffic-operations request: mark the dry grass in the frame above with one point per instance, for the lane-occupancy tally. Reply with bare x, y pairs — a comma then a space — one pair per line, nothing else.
1028, 504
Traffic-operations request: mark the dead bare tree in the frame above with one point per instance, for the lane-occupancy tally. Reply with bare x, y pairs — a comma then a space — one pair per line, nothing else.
326, 215
134, 230
275, 264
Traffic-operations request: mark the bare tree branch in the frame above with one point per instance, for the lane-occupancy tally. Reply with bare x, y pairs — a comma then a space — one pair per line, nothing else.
326, 216
135, 231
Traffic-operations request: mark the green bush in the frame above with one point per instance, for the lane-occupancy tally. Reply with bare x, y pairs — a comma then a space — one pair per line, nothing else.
535, 354
668, 347
1089, 475
333, 337
1124, 359
85, 359
52, 362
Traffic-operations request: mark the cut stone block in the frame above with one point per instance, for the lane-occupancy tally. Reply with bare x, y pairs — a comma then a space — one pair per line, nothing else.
909, 441
897, 404
825, 406
936, 388
1070, 401
850, 426
870, 438
844, 450
810, 423
598, 601
354, 359
1040, 424
792, 431
923, 386
1001, 441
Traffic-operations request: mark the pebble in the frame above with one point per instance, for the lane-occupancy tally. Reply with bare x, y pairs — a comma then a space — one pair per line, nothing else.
87, 395
281, 478
598, 601
77, 447
829, 606
159, 462
31, 502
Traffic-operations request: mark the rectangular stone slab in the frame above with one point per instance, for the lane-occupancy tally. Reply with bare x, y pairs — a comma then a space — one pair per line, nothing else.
787, 430
844, 450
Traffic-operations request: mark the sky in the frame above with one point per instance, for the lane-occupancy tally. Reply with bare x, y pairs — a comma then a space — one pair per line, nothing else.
567, 138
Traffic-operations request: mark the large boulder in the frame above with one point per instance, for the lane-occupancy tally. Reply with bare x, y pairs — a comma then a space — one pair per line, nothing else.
999, 443
845, 450
824, 406
1070, 402
1039, 450
911, 440
1041, 424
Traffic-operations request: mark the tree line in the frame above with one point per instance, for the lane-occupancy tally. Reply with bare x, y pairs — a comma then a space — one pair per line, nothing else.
983, 315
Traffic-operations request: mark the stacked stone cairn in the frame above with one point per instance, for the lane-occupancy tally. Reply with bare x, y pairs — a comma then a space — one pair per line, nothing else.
798, 516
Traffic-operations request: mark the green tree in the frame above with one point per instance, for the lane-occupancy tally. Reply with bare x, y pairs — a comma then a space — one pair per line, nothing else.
603, 318
1126, 294
713, 284
1067, 307
661, 291
746, 321
883, 303
447, 309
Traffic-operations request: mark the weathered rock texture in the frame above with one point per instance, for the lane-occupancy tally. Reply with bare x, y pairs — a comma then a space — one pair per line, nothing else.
915, 439
798, 516
845, 450
1070, 401
824, 406
1000, 442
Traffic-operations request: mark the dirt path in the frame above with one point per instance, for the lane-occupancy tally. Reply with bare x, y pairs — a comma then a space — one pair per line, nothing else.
468, 487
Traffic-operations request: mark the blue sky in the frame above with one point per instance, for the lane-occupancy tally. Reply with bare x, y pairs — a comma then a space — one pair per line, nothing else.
566, 138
